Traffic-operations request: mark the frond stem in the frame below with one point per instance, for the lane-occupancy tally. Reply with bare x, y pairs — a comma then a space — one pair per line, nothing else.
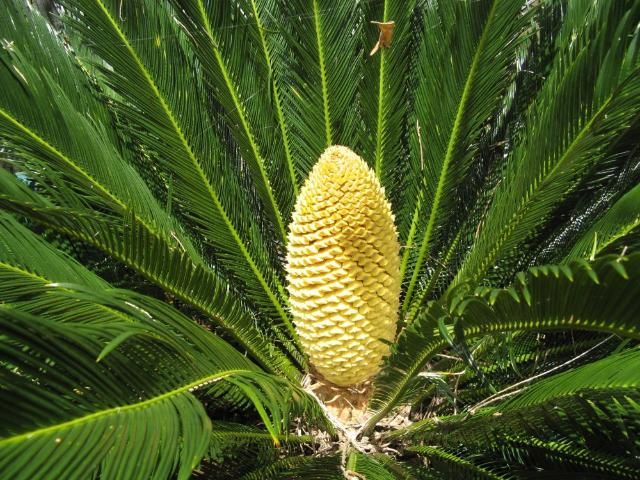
276, 96
120, 410
381, 103
323, 73
273, 205
189, 152
451, 147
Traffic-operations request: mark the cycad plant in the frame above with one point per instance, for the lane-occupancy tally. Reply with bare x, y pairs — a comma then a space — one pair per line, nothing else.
453, 293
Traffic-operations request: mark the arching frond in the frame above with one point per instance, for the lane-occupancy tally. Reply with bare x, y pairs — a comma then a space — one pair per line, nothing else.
92, 192
620, 221
598, 296
232, 50
385, 88
172, 269
89, 371
582, 406
71, 418
588, 101
300, 468
322, 57
455, 466
204, 176
454, 98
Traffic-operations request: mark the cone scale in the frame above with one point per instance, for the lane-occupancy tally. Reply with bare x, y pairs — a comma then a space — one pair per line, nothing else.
343, 269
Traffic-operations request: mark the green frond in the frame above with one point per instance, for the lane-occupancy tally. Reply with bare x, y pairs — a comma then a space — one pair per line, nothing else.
237, 448
322, 60
173, 270
588, 101
385, 89
533, 53
272, 46
299, 468
233, 435
455, 466
234, 61
47, 284
205, 182
403, 470
583, 406
382, 467
61, 394
97, 196
83, 361
67, 415
565, 458
600, 296
512, 362
622, 220
454, 98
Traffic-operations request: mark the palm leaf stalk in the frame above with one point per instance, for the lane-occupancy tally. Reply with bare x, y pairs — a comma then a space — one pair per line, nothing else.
413, 261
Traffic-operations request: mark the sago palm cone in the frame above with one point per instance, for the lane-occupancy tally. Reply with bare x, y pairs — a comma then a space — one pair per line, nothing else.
343, 268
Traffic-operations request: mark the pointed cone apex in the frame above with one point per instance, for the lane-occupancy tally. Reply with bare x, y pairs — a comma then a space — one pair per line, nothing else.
343, 268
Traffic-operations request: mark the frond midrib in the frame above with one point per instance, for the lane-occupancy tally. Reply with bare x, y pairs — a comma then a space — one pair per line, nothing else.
451, 145
433, 279
122, 409
378, 165
535, 187
245, 124
276, 94
573, 454
323, 73
187, 149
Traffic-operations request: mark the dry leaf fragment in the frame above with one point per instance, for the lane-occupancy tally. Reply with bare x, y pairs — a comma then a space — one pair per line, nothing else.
386, 35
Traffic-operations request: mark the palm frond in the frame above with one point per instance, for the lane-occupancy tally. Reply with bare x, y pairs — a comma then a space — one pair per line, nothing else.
236, 449
299, 468
454, 98
95, 195
596, 194
403, 470
582, 406
564, 458
456, 466
514, 364
588, 101
233, 52
622, 220
378, 467
230, 436
130, 242
89, 415
322, 67
385, 88
81, 415
67, 356
580, 295
181, 136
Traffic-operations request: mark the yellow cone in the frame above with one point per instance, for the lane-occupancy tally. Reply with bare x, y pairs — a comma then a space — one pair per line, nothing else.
343, 268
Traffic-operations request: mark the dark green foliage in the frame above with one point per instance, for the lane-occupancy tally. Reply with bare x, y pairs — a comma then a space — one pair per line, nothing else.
154, 152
